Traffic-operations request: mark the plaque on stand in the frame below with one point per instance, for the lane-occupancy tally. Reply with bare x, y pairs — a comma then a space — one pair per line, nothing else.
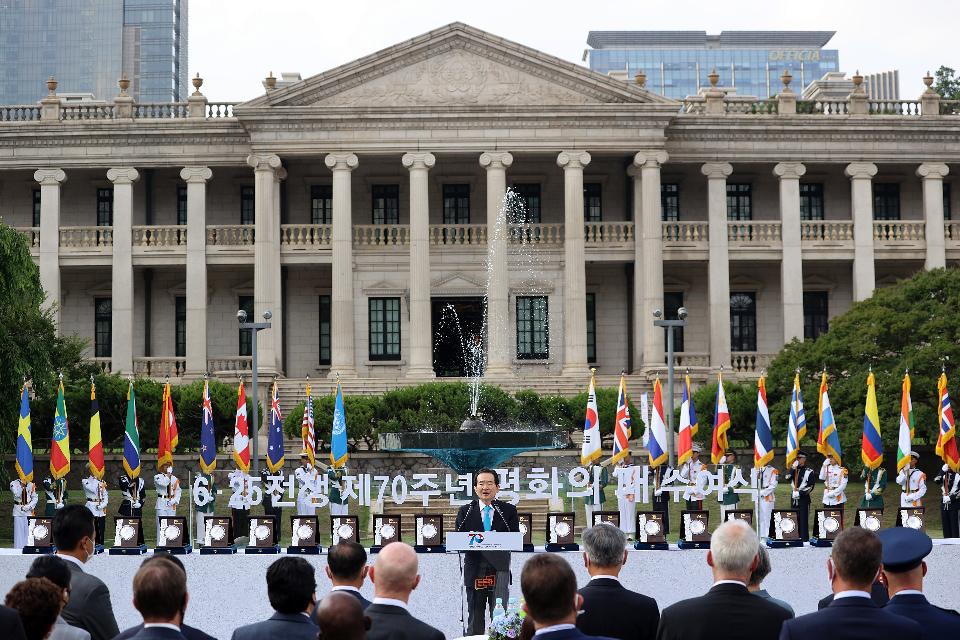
429, 530
560, 532
912, 517
39, 536
870, 519
741, 514
261, 535
829, 521
217, 534
650, 532
610, 517
127, 532
174, 537
526, 528
696, 533
344, 529
386, 529
786, 530
303, 539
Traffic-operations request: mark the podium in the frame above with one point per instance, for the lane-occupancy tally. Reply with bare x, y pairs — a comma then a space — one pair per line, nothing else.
484, 541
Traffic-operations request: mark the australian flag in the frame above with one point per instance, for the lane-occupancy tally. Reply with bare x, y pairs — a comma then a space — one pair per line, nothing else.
275, 437
208, 440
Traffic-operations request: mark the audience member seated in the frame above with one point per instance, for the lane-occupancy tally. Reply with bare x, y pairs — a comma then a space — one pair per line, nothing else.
347, 569
10, 623
292, 591
160, 595
56, 570
38, 602
761, 571
550, 598
394, 576
340, 617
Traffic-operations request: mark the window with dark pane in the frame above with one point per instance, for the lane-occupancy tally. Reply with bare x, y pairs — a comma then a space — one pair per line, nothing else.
739, 201
533, 334
247, 206
456, 204
946, 203
672, 301
384, 321
36, 207
886, 201
324, 316
181, 205
670, 201
815, 316
102, 327
245, 341
743, 321
529, 195
592, 202
104, 207
180, 326
386, 203
591, 327
811, 201
321, 204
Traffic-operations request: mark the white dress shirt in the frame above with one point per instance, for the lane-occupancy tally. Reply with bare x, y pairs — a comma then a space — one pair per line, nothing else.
556, 627
852, 593
390, 602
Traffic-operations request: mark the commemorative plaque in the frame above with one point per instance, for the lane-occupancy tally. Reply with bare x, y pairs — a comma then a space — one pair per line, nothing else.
217, 536
650, 531
829, 524
127, 532
303, 539
786, 529
526, 528
39, 535
386, 529
695, 528
262, 530
560, 532
429, 529
174, 537
913, 518
870, 519
344, 529
610, 517
741, 514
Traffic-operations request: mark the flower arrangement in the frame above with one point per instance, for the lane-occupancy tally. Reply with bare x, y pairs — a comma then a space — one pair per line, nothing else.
506, 626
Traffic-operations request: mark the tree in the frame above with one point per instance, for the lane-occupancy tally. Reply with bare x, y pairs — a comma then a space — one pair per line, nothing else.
946, 83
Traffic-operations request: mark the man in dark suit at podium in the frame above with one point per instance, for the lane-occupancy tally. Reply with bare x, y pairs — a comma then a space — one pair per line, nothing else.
486, 574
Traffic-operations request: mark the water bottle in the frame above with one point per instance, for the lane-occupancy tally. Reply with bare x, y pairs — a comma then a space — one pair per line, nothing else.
513, 607
498, 609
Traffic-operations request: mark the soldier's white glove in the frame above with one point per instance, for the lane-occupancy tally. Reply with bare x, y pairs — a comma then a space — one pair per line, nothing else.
795, 464
796, 495
658, 492
868, 496
946, 501
946, 468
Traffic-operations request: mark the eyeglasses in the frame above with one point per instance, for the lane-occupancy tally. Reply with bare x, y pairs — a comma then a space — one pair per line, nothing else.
486, 483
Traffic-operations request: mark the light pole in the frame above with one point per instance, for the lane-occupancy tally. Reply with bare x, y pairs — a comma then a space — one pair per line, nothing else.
670, 325
254, 328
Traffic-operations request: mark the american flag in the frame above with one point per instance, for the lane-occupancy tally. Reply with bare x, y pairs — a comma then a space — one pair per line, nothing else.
306, 429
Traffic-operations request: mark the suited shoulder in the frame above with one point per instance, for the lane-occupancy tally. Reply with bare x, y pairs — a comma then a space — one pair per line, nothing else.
506, 507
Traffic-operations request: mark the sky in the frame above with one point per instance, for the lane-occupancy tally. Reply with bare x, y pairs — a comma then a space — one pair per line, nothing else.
235, 43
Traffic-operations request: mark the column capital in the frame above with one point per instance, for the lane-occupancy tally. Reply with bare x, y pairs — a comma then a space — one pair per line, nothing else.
716, 170
196, 175
496, 159
341, 161
123, 175
418, 160
279, 174
789, 170
649, 159
50, 177
264, 162
573, 159
864, 170
935, 170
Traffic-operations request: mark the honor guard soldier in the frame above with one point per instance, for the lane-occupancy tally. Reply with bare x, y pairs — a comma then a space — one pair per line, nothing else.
168, 490
133, 493
913, 483
767, 486
694, 473
205, 502
24, 503
949, 482
306, 477
272, 494
627, 477
57, 495
728, 497
95, 490
874, 482
802, 482
834, 476
594, 502
661, 498
241, 499
339, 505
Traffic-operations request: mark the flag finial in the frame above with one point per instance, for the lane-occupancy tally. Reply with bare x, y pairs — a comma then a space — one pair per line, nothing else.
593, 370
60, 375
798, 370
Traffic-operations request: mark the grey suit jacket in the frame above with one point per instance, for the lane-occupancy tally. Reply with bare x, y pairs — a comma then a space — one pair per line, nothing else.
63, 631
279, 626
89, 607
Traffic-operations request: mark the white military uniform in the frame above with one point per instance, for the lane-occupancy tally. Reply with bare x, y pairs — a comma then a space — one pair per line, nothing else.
914, 483
97, 497
24, 502
241, 486
834, 478
306, 488
168, 497
627, 477
694, 473
769, 478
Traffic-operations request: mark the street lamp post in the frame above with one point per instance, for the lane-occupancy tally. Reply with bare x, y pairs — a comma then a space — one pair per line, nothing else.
670, 326
254, 328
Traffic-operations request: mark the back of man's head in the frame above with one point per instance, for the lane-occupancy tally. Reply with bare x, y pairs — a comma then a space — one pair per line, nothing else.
70, 525
160, 592
733, 551
856, 557
549, 589
395, 571
291, 585
604, 546
763, 568
37, 601
341, 617
53, 568
164, 557
346, 561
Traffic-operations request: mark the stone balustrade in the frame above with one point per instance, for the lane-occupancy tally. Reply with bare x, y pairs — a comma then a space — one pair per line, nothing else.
160, 235
240, 364
826, 230
752, 232
220, 109
160, 367
685, 232
85, 238
381, 235
898, 231
823, 107
87, 112
306, 236
691, 359
19, 113
149, 110
951, 230
536, 234
458, 234
894, 107
230, 235
104, 364
750, 361
32, 234
608, 233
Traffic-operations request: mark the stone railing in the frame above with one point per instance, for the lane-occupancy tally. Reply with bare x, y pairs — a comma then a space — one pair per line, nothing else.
685, 232
951, 230
162, 367
32, 234
230, 235
160, 110
826, 230
381, 235
749, 105
749, 232
750, 361
898, 231
85, 237
236, 363
87, 112
458, 234
894, 107
19, 113
304, 236
536, 234
160, 235
949, 107
690, 359
823, 107
104, 364
606, 233
220, 109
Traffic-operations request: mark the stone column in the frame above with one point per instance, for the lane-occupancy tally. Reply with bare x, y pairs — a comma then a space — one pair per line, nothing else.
421, 329
50, 181
718, 280
648, 258
791, 267
498, 269
341, 299
861, 199
932, 174
196, 179
266, 260
574, 274
122, 281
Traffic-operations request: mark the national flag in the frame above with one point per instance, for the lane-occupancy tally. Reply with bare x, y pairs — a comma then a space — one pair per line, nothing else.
871, 447
241, 433
947, 440
24, 439
763, 436
590, 450
828, 439
645, 418
657, 447
95, 450
685, 438
208, 439
905, 436
694, 425
60, 443
275, 435
167, 442
338, 436
797, 423
131, 437
721, 424
622, 430
306, 429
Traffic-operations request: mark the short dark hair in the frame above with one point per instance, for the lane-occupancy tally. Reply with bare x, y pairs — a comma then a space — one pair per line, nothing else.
159, 590
291, 584
346, 560
549, 588
38, 602
53, 568
164, 556
496, 478
857, 554
70, 525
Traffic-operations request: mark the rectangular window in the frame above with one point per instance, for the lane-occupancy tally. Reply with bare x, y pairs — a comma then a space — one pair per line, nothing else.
672, 301
321, 204
180, 326
886, 201
743, 321
533, 331
815, 318
386, 204
105, 207
811, 201
245, 340
591, 327
181, 205
103, 327
324, 329
247, 206
592, 202
739, 201
946, 204
36, 207
456, 204
529, 195
384, 319
670, 202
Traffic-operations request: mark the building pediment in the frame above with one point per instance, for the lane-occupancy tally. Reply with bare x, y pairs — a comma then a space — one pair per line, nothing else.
458, 284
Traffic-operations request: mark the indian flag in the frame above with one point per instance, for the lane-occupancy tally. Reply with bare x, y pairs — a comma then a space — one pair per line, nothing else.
904, 446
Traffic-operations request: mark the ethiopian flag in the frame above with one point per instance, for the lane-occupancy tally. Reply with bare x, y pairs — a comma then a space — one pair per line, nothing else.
60, 443
95, 451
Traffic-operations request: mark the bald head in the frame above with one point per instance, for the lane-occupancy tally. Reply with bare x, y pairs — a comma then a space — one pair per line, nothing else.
340, 617
394, 574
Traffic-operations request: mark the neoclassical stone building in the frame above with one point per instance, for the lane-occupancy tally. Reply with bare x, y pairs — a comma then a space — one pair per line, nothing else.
359, 205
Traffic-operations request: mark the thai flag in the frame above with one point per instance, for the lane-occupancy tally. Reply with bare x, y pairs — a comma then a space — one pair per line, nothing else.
763, 436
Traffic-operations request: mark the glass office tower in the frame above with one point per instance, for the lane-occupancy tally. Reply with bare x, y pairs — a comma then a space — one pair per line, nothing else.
677, 63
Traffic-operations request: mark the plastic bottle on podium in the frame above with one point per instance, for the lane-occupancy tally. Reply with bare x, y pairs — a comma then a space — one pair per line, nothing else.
513, 606
498, 610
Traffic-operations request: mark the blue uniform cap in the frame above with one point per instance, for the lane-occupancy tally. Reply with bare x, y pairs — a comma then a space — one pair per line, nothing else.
904, 548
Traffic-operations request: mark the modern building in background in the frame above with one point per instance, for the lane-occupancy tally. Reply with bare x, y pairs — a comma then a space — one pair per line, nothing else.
677, 63
88, 44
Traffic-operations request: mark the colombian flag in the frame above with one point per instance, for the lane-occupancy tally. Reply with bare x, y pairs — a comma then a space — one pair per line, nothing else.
24, 441
60, 443
947, 440
95, 451
721, 424
871, 449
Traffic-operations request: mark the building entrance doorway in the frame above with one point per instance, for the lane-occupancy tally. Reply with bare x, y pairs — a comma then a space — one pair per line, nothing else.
457, 324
